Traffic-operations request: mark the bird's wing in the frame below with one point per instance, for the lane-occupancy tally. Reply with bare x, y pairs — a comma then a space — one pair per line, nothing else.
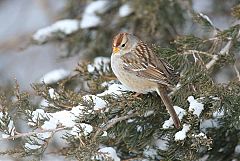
149, 66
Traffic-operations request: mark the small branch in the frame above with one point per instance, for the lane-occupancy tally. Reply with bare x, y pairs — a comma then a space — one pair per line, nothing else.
175, 89
237, 72
224, 51
192, 52
212, 62
61, 105
197, 55
112, 122
20, 135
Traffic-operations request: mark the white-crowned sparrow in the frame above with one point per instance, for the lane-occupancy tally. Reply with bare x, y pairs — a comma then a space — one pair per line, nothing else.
140, 70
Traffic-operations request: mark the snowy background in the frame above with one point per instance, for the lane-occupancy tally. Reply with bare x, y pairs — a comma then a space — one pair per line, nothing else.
23, 18
28, 64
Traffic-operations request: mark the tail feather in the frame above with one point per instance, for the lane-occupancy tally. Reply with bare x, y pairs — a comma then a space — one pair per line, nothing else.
162, 92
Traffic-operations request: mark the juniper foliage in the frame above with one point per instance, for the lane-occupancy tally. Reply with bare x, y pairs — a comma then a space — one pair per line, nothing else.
133, 125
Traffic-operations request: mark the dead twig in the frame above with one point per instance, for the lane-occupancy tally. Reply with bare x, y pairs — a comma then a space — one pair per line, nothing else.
21, 135
112, 122
237, 72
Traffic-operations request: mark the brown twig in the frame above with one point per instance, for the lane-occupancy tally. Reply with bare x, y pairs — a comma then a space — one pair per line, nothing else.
237, 71
192, 52
112, 122
212, 61
20, 135
224, 51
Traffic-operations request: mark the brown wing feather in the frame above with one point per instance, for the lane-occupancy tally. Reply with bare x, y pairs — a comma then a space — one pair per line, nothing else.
156, 70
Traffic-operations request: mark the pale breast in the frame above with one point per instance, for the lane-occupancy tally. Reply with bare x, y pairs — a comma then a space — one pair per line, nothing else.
131, 81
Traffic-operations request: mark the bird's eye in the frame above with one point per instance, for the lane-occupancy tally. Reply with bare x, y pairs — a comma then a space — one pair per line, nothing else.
123, 45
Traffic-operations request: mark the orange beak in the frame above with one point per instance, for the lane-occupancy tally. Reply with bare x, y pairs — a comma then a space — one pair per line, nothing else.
115, 50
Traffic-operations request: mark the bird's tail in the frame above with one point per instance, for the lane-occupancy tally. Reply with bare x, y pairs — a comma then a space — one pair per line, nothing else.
162, 92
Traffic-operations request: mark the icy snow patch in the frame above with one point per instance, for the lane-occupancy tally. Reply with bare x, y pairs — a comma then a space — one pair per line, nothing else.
99, 63
87, 129
1, 115
125, 10
148, 113
218, 114
161, 144
215, 98
78, 110
66, 26
237, 149
201, 134
11, 128
169, 123
4, 136
208, 123
44, 135
37, 114
109, 152
195, 106
52, 93
114, 89
104, 133
130, 120
64, 118
44, 103
30, 146
10, 131
181, 135
99, 103
139, 128
50, 124
150, 152
206, 18
54, 76
90, 19
90, 68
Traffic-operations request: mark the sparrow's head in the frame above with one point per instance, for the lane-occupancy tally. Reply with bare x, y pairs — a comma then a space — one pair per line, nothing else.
123, 43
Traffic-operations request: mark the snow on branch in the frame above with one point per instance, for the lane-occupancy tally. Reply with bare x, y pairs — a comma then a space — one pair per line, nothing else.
125, 10
204, 20
98, 64
67, 27
181, 135
169, 123
54, 76
205, 17
195, 106
6, 126
107, 152
90, 17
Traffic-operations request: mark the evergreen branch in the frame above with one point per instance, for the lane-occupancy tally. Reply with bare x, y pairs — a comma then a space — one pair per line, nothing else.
20, 135
112, 122
224, 51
